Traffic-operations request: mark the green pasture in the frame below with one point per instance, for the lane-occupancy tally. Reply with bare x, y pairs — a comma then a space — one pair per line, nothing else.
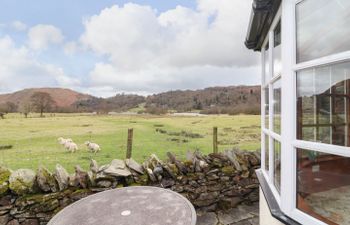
34, 140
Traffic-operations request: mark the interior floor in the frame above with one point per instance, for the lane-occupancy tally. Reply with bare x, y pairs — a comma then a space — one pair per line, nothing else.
332, 204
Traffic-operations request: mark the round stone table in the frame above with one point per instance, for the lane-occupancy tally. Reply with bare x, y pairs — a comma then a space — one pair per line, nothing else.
129, 206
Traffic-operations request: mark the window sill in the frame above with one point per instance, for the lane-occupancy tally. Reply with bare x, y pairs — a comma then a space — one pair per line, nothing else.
275, 210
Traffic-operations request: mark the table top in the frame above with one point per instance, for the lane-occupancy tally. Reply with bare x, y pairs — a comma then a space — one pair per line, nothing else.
129, 206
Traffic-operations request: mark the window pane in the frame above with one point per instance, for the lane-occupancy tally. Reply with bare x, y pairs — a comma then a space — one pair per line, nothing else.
267, 152
277, 62
277, 106
323, 105
323, 186
267, 64
322, 28
277, 164
266, 90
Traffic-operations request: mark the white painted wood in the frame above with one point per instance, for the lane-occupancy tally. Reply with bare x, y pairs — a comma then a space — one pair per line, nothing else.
288, 140
271, 158
263, 149
288, 107
321, 147
304, 218
326, 60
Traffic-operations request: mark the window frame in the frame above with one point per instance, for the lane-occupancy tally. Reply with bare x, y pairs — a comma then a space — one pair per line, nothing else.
269, 132
289, 113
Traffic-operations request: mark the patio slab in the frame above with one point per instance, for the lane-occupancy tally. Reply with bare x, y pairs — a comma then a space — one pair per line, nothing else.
241, 215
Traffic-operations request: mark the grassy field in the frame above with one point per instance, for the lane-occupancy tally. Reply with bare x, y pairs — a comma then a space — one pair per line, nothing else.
34, 140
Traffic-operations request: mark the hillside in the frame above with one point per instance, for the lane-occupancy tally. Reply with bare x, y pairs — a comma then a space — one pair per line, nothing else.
214, 100
62, 97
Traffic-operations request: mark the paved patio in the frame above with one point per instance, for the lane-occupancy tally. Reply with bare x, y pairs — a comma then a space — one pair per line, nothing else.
242, 215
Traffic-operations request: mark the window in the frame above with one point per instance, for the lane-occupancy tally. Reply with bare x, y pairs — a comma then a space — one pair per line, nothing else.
277, 164
322, 28
322, 111
266, 64
267, 143
323, 104
277, 106
277, 62
271, 119
266, 92
323, 186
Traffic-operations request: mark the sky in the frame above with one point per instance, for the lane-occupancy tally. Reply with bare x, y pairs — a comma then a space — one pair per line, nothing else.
107, 47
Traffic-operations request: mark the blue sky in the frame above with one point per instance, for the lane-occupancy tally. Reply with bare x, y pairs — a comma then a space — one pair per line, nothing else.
111, 46
68, 14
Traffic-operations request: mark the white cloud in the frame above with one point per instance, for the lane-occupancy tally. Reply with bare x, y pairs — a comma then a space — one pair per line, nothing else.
134, 36
143, 51
70, 48
40, 36
18, 25
19, 69
154, 80
149, 51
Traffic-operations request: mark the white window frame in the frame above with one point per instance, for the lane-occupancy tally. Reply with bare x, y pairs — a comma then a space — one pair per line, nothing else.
269, 175
290, 144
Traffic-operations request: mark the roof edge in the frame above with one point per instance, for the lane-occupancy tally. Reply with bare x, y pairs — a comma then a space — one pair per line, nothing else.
262, 14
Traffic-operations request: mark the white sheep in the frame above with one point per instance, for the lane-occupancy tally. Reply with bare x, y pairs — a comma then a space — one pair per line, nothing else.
93, 147
63, 141
71, 146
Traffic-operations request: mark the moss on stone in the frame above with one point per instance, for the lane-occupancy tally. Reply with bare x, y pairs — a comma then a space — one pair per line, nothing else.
4, 180
188, 163
228, 170
174, 169
22, 181
143, 179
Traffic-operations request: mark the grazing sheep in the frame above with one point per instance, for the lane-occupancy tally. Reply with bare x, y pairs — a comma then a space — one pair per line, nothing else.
93, 147
63, 141
71, 146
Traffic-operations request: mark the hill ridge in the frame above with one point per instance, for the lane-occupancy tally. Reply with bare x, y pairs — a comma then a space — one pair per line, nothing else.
218, 99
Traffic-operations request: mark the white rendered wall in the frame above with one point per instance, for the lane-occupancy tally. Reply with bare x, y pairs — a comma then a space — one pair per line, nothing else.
265, 215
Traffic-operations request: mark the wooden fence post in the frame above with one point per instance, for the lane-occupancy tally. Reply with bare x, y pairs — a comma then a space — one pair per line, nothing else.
215, 140
129, 145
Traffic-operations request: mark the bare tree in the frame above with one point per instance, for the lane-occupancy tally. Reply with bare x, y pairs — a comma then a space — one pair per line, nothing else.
9, 107
25, 108
42, 102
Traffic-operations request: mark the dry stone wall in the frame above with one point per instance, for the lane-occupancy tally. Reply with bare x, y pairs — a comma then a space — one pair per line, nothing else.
210, 182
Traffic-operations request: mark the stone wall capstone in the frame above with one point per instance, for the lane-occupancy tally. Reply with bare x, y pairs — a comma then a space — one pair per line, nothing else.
210, 182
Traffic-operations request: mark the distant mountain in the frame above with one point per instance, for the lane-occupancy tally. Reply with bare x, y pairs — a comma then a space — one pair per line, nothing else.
62, 97
214, 100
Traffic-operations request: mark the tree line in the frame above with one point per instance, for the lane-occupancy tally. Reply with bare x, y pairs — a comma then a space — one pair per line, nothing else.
216, 100
39, 102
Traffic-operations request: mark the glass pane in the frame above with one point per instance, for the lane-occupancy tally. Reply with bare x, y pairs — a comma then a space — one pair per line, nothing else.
277, 62
267, 64
323, 105
267, 147
323, 186
266, 90
277, 164
277, 106
322, 28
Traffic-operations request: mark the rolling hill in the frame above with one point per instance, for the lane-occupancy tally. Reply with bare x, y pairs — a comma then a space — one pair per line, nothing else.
213, 100
62, 97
